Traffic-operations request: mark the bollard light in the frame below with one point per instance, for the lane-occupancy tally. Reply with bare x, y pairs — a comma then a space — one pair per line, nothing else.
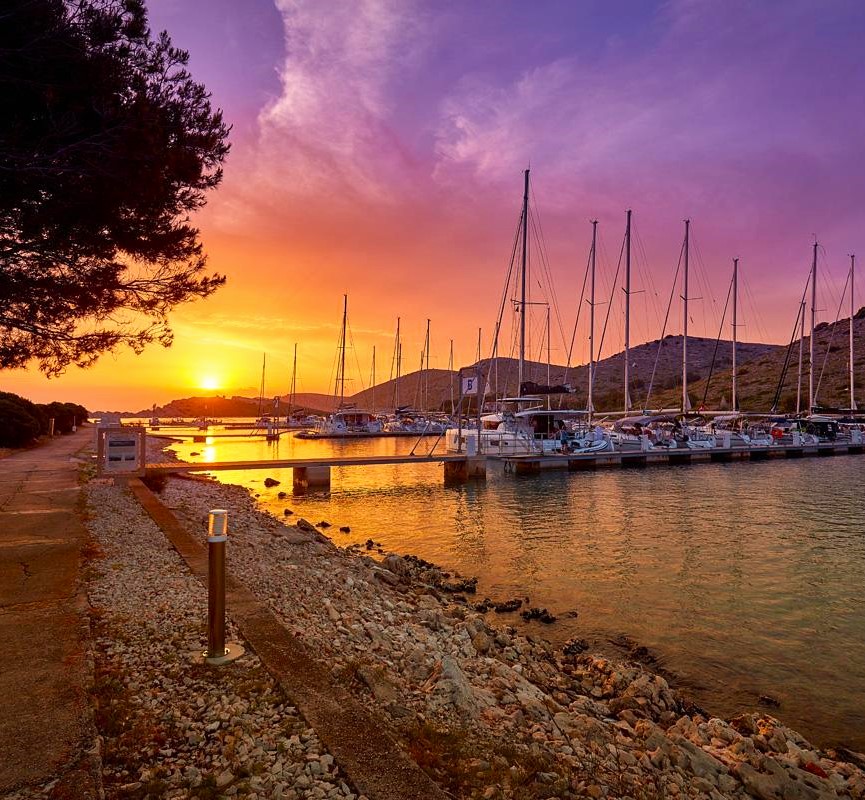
217, 537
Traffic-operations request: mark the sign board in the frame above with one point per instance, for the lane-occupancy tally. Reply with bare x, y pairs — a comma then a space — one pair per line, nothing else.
120, 451
470, 386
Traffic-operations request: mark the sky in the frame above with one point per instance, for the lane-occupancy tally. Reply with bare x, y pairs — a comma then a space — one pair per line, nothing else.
378, 149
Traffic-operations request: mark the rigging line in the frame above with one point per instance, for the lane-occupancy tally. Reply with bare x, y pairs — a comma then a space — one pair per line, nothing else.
356, 358
579, 310
610, 304
604, 259
504, 299
831, 336
664, 327
752, 308
717, 342
648, 276
545, 265
786, 364
705, 286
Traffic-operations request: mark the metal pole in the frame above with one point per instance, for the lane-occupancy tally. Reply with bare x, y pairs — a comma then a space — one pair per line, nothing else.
589, 404
450, 370
686, 403
522, 361
218, 652
801, 347
811, 351
735, 297
217, 536
460, 414
479, 399
627, 312
852, 312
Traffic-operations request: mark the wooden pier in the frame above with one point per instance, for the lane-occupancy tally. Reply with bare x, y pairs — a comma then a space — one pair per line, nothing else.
315, 472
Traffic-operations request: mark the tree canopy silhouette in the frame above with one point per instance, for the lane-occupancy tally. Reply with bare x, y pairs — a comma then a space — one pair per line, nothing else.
107, 145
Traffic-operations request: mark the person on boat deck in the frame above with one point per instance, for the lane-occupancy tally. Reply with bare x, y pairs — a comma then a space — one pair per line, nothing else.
563, 437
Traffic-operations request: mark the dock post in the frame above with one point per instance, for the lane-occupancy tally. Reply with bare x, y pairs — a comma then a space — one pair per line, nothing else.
476, 467
456, 472
314, 477
217, 652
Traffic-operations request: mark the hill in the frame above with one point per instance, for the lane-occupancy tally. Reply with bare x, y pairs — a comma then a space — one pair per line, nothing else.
758, 378
235, 406
760, 367
608, 395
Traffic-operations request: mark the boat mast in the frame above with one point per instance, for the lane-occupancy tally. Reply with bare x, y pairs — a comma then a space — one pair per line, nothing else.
426, 372
735, 403
373, 380
261, 387
549, 350
627, 311
340, 376
813, 323
397, 358
523, 285
450, 370
801, 348
852, 312
589, 405
686, 403
293, 385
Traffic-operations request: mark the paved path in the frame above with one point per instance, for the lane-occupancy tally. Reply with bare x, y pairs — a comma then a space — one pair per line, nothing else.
46, 727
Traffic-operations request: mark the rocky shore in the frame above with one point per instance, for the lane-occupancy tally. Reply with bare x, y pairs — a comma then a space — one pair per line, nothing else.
486, 711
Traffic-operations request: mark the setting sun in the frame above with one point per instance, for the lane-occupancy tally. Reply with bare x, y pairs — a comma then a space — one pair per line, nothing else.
209, 383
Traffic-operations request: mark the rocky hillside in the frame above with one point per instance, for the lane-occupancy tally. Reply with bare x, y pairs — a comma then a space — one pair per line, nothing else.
758, 378
608, 375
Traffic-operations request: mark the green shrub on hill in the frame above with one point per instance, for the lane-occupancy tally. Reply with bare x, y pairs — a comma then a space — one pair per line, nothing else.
22, 421
17, 426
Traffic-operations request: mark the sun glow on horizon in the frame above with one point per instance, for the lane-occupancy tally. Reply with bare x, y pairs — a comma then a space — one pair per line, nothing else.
209, 383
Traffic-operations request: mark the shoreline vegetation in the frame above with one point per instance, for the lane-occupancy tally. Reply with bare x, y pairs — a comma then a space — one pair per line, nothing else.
486, 711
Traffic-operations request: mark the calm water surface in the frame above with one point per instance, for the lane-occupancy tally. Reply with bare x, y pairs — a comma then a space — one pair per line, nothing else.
744, 579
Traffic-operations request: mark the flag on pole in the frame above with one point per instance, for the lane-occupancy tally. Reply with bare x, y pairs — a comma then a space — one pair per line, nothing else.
470, 385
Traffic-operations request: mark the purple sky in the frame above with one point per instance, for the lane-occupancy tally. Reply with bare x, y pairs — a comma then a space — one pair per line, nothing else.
378, 149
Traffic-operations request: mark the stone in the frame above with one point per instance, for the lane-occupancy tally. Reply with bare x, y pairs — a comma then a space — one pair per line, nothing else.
224, 778
269, 482
304, 525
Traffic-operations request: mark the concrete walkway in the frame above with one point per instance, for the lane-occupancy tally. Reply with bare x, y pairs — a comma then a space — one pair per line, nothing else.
46, 729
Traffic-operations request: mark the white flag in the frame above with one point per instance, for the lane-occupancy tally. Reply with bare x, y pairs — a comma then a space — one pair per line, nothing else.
470, 385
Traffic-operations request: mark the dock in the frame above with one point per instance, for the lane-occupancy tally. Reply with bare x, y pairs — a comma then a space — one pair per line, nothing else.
458, 468
315, 472
525, 464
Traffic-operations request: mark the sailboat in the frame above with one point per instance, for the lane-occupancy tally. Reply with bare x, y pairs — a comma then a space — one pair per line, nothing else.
524, 424
347, 421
